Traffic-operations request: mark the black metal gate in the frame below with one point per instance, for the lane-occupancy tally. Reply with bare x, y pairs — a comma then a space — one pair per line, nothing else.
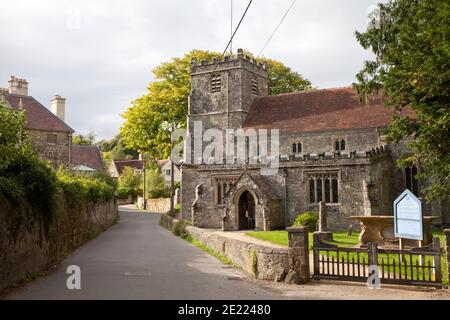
418, 266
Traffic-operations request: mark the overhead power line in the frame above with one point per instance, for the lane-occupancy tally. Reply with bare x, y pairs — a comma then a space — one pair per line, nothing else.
276, 29
234, 33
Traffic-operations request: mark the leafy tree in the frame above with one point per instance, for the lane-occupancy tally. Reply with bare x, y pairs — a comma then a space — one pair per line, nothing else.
23, 177
87, 140
129, 182
13, 136
410, 40
156, 186
115, 149
150, 117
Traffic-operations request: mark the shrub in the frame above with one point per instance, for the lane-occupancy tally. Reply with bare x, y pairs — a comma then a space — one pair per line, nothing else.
129, 183
179, 228
307, 219
78, 187
156, 186
35, 179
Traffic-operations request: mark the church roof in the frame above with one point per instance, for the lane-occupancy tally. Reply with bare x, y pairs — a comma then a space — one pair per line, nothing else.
319, 110
38, 116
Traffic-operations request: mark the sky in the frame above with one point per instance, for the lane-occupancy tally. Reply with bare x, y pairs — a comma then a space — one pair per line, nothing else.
99, 54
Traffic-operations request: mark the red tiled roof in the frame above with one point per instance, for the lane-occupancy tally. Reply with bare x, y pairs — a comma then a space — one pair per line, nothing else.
319, 110
89, 156
38, 116
162, 163
121, 164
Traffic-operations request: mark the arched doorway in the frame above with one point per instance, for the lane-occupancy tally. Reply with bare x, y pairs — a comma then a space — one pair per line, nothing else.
246, 208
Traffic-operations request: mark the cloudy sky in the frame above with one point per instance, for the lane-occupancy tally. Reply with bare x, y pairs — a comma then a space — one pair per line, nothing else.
99, 54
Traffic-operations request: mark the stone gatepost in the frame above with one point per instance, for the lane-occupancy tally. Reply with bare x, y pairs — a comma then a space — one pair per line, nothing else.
447, 244
299, 255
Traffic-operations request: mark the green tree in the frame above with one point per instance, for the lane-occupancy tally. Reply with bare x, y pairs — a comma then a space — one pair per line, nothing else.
148, 120
85, 140
156, 186
411, 43
13, 136
129, 182
115, 149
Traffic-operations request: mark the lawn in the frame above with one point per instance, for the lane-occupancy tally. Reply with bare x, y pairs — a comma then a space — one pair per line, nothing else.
281, 238
345, 241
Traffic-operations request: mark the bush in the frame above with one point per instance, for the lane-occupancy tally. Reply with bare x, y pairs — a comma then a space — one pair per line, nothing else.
129, 183
307, 219
179, 228
156, 186
27, 178
91, 187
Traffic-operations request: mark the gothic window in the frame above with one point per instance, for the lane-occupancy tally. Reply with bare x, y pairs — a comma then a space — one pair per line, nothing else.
339, 145
297, 148
255, 86
216, 83
222, 186
52, 138
323, 187
411, 182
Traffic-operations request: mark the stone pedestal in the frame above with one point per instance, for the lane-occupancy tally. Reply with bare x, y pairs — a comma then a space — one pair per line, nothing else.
299, 255
324, 234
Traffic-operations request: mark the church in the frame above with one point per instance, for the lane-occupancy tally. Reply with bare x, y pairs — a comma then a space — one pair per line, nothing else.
332, 149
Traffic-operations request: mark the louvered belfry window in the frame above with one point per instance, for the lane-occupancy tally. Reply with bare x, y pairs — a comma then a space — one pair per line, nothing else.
216, 83
255, 86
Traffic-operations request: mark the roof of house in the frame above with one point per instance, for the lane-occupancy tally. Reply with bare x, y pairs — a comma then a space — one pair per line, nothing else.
89, 156
162, 163
38, 116
121, 164
83, 168
319, 110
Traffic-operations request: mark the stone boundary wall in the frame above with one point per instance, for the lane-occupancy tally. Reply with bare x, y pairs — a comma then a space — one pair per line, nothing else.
262, 262
160, 205
28, 246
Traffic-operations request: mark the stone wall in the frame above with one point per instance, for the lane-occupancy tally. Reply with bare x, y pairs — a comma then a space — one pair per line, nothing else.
56, 151
161, 205
263, 262
318, 142
28, 245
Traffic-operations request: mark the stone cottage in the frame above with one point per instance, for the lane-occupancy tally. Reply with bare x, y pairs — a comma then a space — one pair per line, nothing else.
331, 149
51, 137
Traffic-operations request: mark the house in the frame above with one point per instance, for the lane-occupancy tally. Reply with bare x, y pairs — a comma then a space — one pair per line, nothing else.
166, 168
332, 149
50, 136
87, 159
117, 166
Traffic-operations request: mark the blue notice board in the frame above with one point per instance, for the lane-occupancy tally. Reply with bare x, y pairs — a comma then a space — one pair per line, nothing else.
408, 216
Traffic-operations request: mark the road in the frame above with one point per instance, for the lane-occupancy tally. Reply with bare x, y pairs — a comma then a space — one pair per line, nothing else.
138, 259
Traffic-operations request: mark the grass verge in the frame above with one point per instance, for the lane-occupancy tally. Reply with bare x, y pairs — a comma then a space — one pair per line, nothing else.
209, 250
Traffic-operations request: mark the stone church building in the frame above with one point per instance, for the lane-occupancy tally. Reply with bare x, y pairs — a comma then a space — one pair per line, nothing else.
332, 149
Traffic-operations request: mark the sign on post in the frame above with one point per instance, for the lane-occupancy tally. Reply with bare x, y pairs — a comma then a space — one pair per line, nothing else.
408, 216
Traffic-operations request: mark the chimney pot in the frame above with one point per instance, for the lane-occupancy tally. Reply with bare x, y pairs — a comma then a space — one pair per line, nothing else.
18, 86
58, 107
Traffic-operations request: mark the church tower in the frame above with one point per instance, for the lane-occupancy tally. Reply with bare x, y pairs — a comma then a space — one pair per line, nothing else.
222, 92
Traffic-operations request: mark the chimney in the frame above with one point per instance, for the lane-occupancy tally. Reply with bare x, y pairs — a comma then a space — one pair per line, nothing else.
58, 106
18, 86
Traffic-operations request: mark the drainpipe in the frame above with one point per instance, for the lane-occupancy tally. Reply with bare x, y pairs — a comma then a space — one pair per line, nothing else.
284, 175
